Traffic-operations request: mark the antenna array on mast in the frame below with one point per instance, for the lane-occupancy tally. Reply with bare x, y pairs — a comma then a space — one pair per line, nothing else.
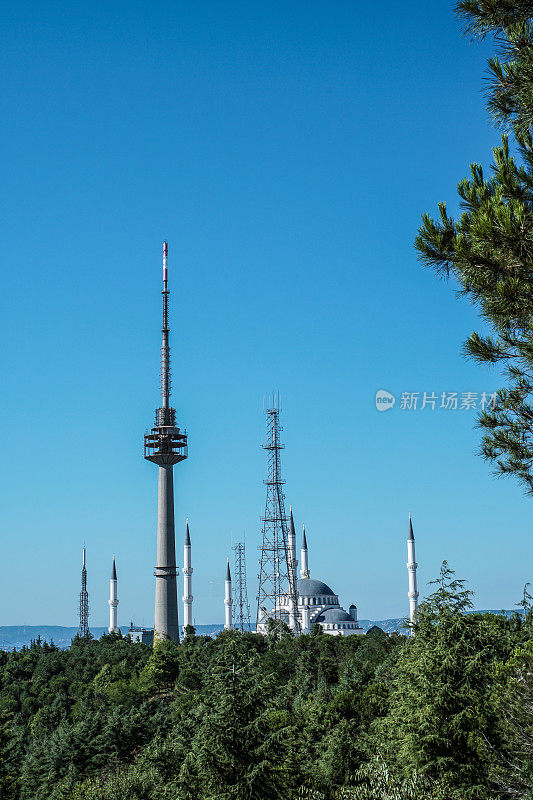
241, 619
277, 592
83, 629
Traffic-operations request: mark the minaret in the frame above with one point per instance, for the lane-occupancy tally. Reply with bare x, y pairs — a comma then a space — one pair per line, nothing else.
411, 568
83, 629
187, 580
293, 565
113, 600
165, 446
228, 602
304, 572
306, 617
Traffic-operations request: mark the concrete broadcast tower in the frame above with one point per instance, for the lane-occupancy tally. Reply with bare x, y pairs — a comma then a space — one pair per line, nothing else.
165, 446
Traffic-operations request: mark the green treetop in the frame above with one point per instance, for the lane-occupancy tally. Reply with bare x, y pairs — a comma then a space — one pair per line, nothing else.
489, 249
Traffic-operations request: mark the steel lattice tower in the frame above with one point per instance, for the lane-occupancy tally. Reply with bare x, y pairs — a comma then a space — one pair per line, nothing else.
241, 619
165, 446
83, 629
277, 593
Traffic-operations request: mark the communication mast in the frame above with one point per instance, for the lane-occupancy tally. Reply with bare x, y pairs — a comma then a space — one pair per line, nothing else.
277, 593
83, 629
241, 619
165, 445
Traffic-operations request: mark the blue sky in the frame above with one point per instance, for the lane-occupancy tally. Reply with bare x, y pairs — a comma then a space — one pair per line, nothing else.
286, 151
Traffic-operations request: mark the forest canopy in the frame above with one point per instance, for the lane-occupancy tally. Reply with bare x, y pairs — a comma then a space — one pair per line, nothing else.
442, 714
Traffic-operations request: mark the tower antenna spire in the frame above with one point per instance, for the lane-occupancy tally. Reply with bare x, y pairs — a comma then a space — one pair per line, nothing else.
242, 612
165, 445
83, 628
165, 336
277, 575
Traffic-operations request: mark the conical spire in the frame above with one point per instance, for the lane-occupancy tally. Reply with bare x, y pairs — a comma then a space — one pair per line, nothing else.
411, 536
187, 537
304, 540
228, 573
291, 522
114, 571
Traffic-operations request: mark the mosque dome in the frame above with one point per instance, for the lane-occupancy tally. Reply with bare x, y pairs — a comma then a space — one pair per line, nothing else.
334, 615
309, 587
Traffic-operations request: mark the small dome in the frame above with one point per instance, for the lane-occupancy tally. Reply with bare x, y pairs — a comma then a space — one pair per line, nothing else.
308, 587
334, 615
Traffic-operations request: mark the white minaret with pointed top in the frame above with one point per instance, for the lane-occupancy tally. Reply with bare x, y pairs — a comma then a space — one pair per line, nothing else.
293, 566
187, 580
411, 569
228, 602
113, 600
304, 571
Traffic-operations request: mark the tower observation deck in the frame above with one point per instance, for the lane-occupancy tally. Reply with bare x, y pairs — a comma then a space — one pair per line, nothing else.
165, 445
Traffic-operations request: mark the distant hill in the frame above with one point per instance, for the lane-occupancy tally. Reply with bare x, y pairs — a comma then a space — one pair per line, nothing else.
21, 635
17, 636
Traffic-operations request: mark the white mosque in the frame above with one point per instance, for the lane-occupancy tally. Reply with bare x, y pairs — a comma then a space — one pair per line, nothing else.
317, 603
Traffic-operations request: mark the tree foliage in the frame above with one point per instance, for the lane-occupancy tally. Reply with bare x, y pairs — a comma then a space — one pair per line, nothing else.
489, 249
437, 716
